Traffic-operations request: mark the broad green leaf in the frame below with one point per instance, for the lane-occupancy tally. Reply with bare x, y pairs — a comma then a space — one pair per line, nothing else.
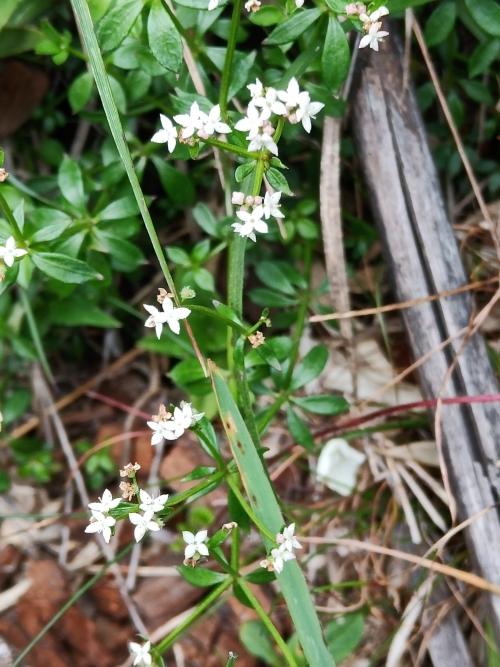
440, 23
117, 23
265, 505
80, 91
255, 638
486, 14
178, 256
15, 404
164, 40
278, 181
64, 268
344, 634
7, 8
126, 256
70, 183
50, 224
244, 170
125, 207
299, 430
201, 576
336, 57
260, 576
322, 404
267, 15
205, 218
483, 56
79, 313
204, 279
293, 27
177, 185
310, 366
270, 299
272, 275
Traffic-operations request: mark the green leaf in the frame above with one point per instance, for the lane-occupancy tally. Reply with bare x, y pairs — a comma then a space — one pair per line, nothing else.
293, 27
70, 183
278, 181
126, 256
267, 15
117, 23
272, 275
483, 56
164, 40
205, 219
265, 505
260, 576
244, 170
7, 8
310, 367
322, 404
344, 634
51, 224
336, 57
75, 313
178, 256
299, 430
270, 299
125, 207
255, 638
440, 23
486, 14
177, 185
201, 576
64, 268
80, 91
204, 279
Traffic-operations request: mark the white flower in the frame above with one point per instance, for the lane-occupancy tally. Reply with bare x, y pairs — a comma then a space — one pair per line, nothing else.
307, 111
195, 543
184, 416
141, 654
252, 222
256, 89
142, 523
292, 95
238, 198
212, 4
373, 37
271, 205
269, 104
212, 123
299, 3
164, 430
152, 503
279, 557
100, 523
287, 539
338, 465
167, 135
9, 252
105, 504
191, 122
377, 14
251, 123
170, 315
264, 140
253, 5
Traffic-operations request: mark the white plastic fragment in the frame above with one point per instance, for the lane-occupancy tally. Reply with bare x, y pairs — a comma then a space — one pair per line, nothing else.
338, 465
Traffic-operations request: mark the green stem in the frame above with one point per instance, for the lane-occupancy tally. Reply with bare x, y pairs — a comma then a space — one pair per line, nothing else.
232, 148
235, 549
228, 62
301, 318
6, 210
204, 606
74, 598
35, 335
270, 627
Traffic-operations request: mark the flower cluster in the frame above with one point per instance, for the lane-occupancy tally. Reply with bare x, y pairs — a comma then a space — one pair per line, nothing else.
168, 426
291, 104
168, 314
10, 252
371, 24
254, 211
194, 124
287, 543
100, 520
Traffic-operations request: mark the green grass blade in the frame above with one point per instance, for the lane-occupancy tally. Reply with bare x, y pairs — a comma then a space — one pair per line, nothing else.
98, 69
265, 505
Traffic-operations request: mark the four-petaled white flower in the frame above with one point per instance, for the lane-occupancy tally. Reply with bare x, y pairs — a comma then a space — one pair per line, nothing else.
252, 222
292, 96
251, 123
191, 122
374, 16
167, 135
168, 315
141, 654
184, 416
287, 540
269, 103
212, 4
195, 544
299, 3
105, 504
10, 252
263, 141
143, 523
373, 36
271, 205
152, 503
308, 111
212, 123
100, 523
256, 89
279, 557
164, 430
